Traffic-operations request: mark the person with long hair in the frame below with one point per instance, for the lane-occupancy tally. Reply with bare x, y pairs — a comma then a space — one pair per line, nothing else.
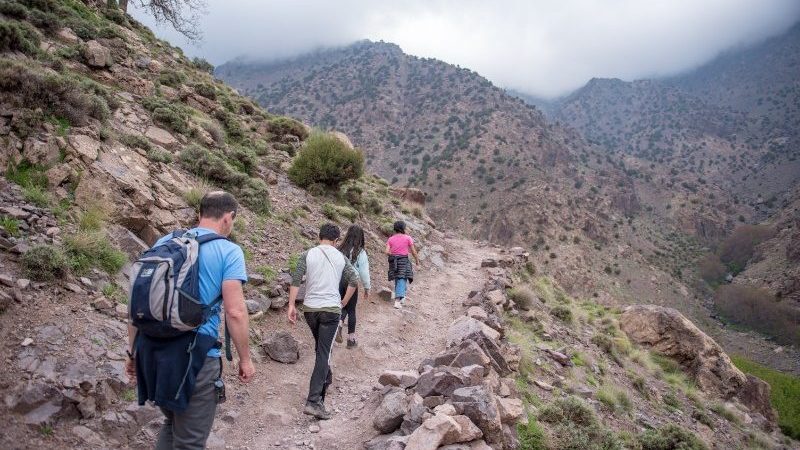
401, 272
352, 247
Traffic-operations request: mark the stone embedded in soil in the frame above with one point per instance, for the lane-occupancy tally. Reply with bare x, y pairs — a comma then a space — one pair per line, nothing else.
403, 379
282, 347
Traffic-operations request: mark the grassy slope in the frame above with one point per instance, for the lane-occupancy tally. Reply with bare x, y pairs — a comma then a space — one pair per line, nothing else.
785, 394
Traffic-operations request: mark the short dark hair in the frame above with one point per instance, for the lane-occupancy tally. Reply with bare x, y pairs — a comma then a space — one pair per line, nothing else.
399, 227
329, 232
216, 204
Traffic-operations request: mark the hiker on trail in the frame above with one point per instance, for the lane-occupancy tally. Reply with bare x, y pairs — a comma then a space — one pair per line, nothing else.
398, 248
324, 268
352, 247
174, 352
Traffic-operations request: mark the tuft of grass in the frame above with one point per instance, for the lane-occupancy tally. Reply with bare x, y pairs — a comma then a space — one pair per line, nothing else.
614, 399
670, 437
268, 273
45, 263
522, 297
784, 393
292, 262
160, 156
568, 410
92, 218
562, 313
90, 249
671, 400
666, 364
531, 435
10, 225
193, 196
128, 395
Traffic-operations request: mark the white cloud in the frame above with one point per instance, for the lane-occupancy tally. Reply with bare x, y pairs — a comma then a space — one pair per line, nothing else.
542, 47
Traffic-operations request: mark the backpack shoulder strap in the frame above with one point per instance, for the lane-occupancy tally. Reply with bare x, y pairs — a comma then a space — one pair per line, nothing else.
208, 238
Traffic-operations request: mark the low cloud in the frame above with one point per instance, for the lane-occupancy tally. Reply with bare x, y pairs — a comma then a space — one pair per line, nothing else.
542, 48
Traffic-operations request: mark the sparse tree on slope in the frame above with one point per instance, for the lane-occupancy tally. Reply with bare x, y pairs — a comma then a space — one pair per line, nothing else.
182, 15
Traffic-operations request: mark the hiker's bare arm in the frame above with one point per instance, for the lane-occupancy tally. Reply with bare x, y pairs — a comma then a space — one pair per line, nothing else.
291, 313
388, 249
414, 253
348, 294
130, 365
238, 325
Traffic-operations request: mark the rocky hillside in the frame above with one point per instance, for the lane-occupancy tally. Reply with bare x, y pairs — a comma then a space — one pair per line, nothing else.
108, 139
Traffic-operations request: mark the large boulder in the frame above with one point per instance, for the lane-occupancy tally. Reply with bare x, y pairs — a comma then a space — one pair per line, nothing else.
433, 432
441, 381
389, 414
96, 55
669, 333
465, 326
282, 347
478, 403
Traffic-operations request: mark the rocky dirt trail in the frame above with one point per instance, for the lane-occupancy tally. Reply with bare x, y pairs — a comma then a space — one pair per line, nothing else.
268, 413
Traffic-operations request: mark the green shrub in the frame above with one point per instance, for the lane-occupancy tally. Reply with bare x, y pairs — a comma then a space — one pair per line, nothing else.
254, 193
13, 10
671, 400
326, 160
243, 159
135, 141
667, 364
159, 156
614, 347
531, 436
292, 262
203, 65
387, 228
193, 197
569, 410
216, 132
268, 273
522, 297
206, 90
330, 212
16, 36
90, 249
45, 263
785, 390
285, 147
670, 437
58, 95
204, 162
10, 225
286, 125
594, 437
36, 195
231, 123
92, 218
562, 313
170, 115
172, 78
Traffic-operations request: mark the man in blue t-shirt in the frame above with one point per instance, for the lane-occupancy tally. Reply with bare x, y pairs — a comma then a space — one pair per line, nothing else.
222, 273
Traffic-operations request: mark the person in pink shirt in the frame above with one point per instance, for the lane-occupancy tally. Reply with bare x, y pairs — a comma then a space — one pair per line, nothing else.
398, 248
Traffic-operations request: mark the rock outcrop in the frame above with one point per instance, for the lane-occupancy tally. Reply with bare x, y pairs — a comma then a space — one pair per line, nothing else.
668, 332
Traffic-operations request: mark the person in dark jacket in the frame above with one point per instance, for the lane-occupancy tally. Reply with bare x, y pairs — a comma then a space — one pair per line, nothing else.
398, 248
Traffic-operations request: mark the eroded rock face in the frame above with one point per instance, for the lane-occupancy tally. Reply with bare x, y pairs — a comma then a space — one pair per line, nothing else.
412, 195
668, 332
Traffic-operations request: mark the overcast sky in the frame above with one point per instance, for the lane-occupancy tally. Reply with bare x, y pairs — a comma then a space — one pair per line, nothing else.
541, 47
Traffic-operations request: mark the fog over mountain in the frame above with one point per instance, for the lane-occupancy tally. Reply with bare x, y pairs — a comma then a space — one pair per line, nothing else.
541, 48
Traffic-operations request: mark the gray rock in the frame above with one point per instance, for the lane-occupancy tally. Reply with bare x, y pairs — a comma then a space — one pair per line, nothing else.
403, 379
278, 302
441, 381
255, 279
389, 414
253, 307
478, 403
96, 55
384, 442
282, 347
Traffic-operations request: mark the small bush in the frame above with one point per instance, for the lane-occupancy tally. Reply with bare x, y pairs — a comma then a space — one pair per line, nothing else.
172, 78
193, 197
205, 163
702, 417
243, 159
160, 156
86, 250
203, 65
614, 399
670, 437
286, 125
135, 141
231, 123
562, 313
10, 225
569, 410
614, 347
170, 115
711, 269
92, 218
531, 436
16, 36
330, 212
387, 228
326, 160
37, 195
206, 90
58, 95
671, 400
522, 297
216, 132
665, 363
13, 10
44, 263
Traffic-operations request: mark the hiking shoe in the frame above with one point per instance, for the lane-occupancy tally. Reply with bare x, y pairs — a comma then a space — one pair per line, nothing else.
403, 301
397, 304
351, 343
339, 337
317, 410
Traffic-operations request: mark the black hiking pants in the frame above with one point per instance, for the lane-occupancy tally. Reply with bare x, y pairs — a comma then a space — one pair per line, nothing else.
323, 326
349, 310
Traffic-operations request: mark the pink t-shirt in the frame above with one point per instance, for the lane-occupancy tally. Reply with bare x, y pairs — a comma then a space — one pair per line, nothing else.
399, 244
